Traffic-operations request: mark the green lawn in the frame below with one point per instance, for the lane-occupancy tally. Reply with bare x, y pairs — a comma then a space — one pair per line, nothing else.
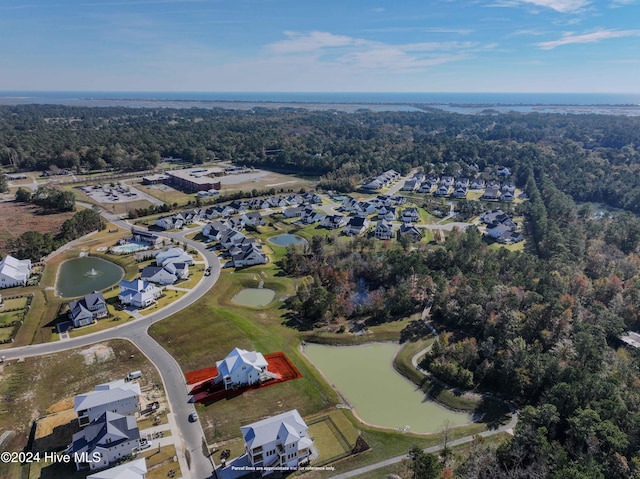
8, 318
206, 332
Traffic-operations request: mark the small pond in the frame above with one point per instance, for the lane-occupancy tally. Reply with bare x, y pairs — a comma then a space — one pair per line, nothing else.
287, 239
80, 276
254, 297
364, 375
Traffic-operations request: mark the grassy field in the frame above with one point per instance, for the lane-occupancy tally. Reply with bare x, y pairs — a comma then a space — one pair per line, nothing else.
17, 218
164, 193
33, 385
226, 325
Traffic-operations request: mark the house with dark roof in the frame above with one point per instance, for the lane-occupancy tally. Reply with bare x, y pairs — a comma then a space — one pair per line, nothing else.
356, 226
248, 255
86, 310
410, 231
214, 230
491, 194
106, 440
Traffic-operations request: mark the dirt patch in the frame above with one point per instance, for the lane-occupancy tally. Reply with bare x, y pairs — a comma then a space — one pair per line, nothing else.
17, 218
60, 406
55, 431
98, 353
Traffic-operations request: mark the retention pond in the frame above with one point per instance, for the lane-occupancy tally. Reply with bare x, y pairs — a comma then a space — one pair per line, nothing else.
365, 377
80, 276
254, 297
287, 239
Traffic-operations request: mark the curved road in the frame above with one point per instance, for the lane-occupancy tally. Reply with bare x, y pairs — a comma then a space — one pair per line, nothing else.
192, 440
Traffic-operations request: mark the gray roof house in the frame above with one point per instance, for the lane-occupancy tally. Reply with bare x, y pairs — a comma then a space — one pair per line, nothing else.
109, 438
411, 231
410, 215
117, 396
84, 311
334, 221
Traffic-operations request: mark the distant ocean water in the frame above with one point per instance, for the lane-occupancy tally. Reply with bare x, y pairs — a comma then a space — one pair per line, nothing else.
628, 104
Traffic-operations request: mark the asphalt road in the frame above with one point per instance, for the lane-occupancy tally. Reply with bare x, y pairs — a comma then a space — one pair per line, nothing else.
192, 440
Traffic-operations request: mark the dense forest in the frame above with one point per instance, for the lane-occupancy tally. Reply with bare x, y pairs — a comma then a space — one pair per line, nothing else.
539, 328
590, 157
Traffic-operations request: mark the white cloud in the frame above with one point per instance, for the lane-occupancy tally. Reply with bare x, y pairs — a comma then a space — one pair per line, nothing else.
570, 38
562, 6
298, 42
330, 49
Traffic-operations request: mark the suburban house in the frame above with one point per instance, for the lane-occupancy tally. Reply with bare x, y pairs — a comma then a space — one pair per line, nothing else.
491, 194
14, 271
356, 226
173, 255
164, 275
382, 180
248, 255
236, 222
410, 215
138, 293
129, 470
384, 230
254, 219
230, 237
410, 231
239, 206
411, 185
242, 368
477, 184
442, 190
84, 311
144, 237
504, 171
214, 230
278, 441
310, 216
334, 221
111, 436
294, 212
117, 396
387, 213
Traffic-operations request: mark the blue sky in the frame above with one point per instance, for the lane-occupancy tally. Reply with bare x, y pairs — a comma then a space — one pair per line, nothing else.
321, 45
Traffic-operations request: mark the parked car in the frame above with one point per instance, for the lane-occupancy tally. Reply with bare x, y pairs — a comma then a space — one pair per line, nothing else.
193, 417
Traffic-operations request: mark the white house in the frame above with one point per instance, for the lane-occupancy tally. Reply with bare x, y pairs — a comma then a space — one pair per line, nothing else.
138, 293
214, 230
278, 441
129, 470
173, 255
384, 230
242, 368
14, 271
109, 438
356, 226
248, 255
117, 396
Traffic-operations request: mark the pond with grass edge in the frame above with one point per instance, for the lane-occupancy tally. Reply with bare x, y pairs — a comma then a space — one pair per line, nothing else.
254, 297
287, 239
365, 377
80, 276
